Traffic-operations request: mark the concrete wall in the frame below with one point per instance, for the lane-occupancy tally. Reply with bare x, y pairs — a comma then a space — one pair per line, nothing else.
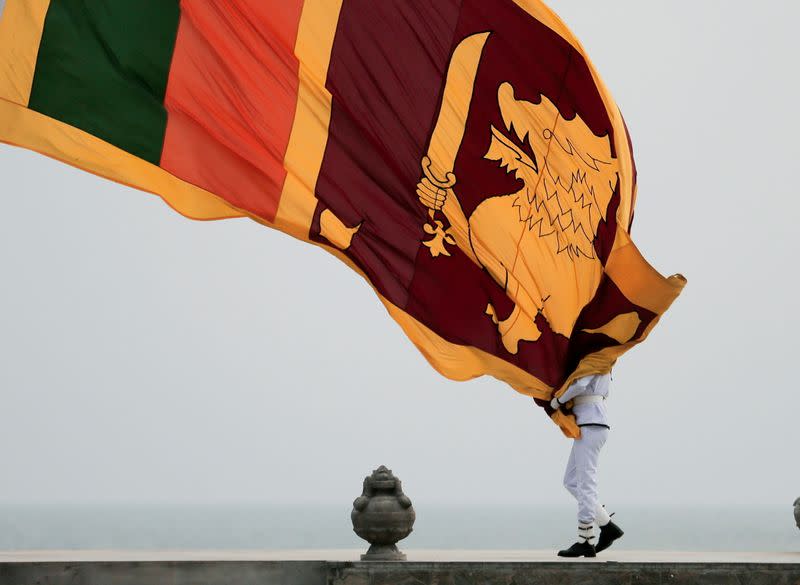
411, 573
565, 574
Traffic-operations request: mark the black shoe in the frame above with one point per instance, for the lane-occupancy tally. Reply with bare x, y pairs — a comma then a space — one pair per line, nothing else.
579, 549
608, 534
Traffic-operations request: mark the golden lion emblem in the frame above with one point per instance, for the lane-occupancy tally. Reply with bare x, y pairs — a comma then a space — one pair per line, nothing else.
537, 243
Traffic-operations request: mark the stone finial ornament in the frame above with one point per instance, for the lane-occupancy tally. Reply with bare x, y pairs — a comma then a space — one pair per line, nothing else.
797, 512
382, 515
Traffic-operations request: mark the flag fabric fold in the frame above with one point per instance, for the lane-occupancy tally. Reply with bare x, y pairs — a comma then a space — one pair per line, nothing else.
464, 157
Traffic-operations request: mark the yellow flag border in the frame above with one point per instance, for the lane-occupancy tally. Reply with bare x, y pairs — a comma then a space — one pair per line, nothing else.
21, 26
20, 126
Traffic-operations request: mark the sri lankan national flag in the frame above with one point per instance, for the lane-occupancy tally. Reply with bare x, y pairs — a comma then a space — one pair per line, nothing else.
463, 156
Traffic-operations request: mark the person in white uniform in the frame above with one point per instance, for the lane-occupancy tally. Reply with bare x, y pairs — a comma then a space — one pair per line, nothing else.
588, 395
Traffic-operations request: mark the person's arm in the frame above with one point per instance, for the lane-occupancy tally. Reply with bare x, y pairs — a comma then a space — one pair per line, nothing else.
577, 388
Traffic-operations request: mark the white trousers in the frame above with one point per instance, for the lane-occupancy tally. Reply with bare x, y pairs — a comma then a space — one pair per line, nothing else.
580, 478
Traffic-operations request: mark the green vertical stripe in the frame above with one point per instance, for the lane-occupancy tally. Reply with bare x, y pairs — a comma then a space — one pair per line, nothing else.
103, 67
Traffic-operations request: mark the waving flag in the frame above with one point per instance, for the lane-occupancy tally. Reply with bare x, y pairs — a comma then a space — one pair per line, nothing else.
463, 156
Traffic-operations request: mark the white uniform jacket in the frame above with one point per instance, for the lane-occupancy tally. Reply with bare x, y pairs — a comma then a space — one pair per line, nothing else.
591, 412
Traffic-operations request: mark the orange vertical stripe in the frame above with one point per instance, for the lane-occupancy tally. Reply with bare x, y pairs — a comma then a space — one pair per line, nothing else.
231, 99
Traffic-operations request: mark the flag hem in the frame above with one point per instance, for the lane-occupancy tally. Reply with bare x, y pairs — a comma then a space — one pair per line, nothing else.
23, 127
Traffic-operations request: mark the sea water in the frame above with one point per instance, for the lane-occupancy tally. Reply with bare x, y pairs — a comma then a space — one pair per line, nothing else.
256, 527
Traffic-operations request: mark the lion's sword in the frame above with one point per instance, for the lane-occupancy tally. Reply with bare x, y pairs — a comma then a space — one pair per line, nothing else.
448, 133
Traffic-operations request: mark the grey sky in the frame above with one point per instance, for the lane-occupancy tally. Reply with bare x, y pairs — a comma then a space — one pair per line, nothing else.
146, 357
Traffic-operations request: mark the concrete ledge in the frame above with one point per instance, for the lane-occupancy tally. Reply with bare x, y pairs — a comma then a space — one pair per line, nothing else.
572, 573
284, 568
166, 573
